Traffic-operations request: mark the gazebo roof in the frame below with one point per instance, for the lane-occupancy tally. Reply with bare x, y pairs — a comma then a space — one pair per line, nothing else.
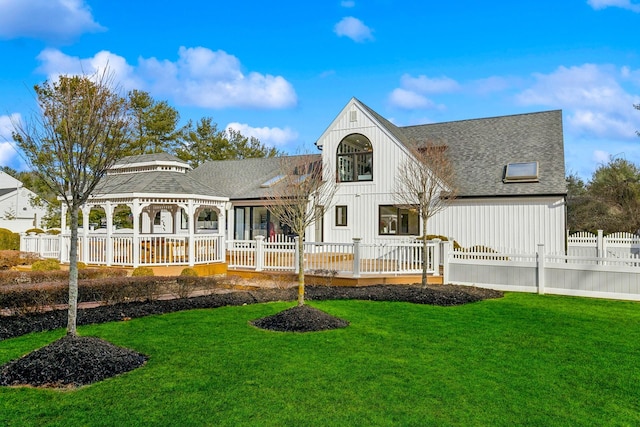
156, 175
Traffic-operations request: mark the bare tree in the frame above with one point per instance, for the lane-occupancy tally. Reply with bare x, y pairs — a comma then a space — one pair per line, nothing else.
426, 181
80, 130
302, 188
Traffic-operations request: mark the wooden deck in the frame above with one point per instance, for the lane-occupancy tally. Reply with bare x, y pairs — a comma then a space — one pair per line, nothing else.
310, 279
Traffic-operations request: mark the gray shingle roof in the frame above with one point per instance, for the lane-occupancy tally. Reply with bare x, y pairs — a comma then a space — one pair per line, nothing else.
480, 149
240, 179
156, 182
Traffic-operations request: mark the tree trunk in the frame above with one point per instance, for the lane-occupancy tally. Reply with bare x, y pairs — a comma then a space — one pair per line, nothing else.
73, 274
301, 271
425, 252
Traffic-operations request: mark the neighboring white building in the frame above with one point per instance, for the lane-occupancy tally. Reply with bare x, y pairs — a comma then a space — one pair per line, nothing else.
18, 213
510, 177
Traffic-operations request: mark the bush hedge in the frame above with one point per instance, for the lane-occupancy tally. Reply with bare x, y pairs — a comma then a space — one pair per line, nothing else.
36, 297
11, 277
9, 240
11, 258
49, 264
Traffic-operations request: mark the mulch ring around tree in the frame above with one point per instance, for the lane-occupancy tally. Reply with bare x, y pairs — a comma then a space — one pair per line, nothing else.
76, 361
70, 362
300, 318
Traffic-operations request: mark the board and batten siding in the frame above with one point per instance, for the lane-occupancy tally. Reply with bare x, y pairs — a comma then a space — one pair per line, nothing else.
508, 223
504, 224
361, 198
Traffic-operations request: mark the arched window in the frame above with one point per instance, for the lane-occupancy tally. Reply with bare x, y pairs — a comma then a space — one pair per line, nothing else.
355, 159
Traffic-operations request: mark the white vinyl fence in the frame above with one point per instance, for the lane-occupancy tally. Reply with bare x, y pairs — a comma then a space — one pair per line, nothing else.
614, 245
587, 276
346, 259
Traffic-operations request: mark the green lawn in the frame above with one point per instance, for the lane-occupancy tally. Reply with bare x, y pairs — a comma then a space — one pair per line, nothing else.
521, 360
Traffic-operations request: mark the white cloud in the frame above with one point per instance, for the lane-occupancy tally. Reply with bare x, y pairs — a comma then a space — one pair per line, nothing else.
406, 99
354, 29
7, 126
624, 4
594, 101
7, 150
200, 77
49, 20
424, 84
601, 157
268, 136
347, 3
413, 91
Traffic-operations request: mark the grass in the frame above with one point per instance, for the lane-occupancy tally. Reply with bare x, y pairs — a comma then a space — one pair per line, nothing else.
521, 360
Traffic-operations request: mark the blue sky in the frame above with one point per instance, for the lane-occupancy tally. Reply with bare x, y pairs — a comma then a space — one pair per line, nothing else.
282, 70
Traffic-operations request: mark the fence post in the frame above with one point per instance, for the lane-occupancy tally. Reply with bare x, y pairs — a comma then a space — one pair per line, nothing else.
436, 257
540, 261
447, 247
356, 257
600, 245
259, 262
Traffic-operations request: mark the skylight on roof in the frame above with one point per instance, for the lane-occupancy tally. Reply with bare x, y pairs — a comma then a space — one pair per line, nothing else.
272, 181
521, 172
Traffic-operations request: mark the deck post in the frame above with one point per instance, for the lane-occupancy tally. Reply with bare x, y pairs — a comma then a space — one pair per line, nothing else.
436, 257
259, 261
447, 251
356, 257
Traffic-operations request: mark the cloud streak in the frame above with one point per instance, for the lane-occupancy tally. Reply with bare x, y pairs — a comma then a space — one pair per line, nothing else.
595, 102
200, 77
623, 4
55, 21
354, 29
269, 136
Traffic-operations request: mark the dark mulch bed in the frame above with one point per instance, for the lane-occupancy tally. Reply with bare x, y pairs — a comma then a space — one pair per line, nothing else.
75, 361
70, 362
300, 318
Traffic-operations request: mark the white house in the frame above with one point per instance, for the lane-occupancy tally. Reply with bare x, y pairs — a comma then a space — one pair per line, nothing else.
510, 178
509, 175
18, 212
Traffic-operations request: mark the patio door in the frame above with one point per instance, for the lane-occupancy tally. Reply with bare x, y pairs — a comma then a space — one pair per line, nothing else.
319, 224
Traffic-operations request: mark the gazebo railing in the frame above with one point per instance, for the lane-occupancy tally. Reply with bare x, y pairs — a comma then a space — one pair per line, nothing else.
152, 249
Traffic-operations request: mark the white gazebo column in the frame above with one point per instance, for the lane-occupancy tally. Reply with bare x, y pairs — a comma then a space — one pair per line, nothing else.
86, 209
191, 245
135, 212
109, 213
64, 249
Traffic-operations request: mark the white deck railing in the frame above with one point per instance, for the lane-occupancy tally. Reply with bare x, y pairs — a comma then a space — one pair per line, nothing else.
350, 259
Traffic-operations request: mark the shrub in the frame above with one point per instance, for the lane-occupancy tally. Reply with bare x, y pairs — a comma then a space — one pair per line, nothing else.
53, 232
9, 240
49, 264
456, 245
81, 265
142, 271
185, 284
189, 272
35, 230
11, 258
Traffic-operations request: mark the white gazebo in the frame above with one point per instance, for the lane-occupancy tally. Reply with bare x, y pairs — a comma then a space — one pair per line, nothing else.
169, 217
